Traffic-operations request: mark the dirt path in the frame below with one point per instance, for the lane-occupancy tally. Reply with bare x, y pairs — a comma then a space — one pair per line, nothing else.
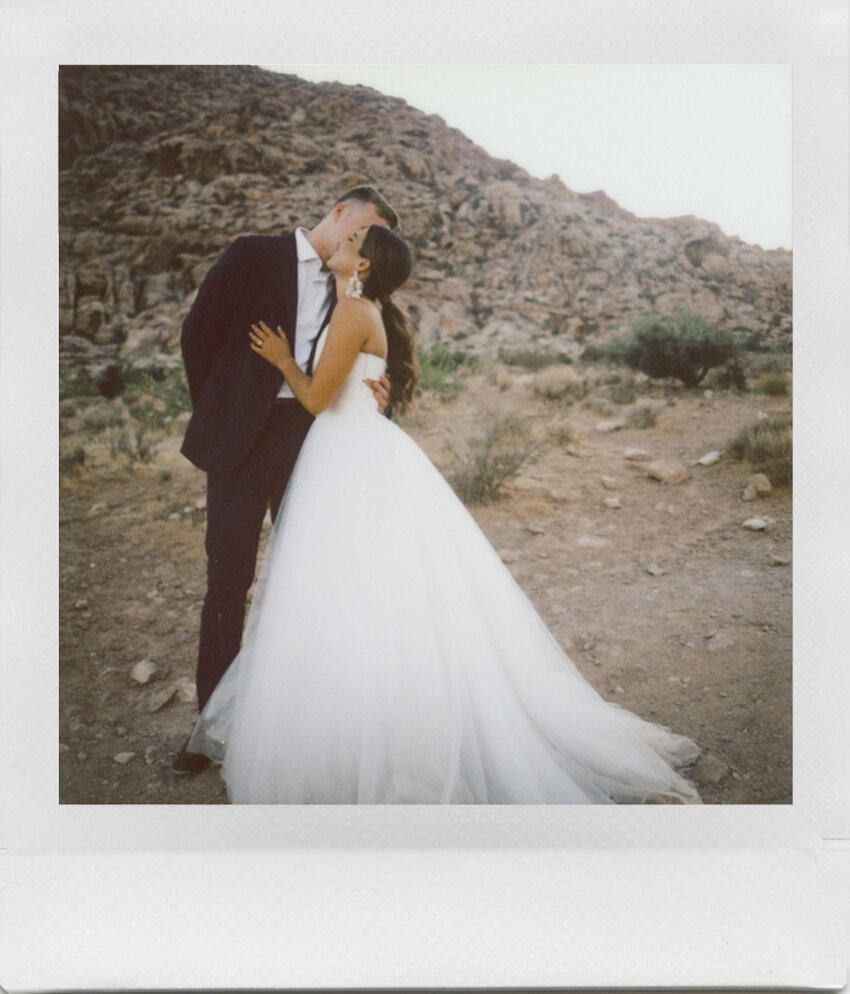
666, 604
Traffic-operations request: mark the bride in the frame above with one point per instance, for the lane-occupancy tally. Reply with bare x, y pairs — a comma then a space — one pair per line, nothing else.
432, 680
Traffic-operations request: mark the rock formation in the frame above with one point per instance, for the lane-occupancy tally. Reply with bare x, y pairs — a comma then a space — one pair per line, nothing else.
161, 166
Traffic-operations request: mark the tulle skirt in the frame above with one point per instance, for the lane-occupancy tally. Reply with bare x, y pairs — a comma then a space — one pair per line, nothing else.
390, 657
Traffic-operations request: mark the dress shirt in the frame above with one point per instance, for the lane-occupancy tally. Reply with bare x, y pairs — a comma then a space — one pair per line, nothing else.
313, 302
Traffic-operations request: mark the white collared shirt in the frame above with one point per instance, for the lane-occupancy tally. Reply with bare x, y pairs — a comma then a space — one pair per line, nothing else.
313, 302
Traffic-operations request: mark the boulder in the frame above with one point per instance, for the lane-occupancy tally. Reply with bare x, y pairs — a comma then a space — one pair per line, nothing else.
757, 485
668, 471
716, 266
709, 770
144, 671
161, 697
610, 424
89, 316
187, 691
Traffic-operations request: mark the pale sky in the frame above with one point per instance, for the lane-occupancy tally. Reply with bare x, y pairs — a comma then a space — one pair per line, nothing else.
661, 140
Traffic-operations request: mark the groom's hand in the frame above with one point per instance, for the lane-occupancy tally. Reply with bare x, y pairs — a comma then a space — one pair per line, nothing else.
381, 389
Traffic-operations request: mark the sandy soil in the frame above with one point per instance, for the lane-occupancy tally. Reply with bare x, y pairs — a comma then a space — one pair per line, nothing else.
667, 604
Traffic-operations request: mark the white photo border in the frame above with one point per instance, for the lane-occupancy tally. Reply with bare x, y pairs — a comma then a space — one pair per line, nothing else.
155, 897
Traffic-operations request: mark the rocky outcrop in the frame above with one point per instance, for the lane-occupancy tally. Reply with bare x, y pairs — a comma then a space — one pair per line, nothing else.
162, 166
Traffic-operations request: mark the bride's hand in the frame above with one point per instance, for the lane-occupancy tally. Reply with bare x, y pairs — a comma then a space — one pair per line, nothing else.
272, 346
381, 389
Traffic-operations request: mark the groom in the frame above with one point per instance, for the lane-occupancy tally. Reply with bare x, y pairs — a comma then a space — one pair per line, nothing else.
246, 427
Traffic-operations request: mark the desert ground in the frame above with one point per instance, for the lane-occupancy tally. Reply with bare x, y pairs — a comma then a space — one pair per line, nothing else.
657, 591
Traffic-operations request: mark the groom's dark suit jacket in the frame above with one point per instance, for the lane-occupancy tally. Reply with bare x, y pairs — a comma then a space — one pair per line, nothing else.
232, 388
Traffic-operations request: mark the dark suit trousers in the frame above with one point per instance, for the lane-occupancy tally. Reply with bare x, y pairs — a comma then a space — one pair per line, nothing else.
236, 506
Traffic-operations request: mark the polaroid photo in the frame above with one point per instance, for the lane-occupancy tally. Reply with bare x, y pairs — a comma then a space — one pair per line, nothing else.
612, 751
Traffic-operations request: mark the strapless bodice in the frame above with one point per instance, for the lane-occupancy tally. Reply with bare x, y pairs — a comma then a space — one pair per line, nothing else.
355, 396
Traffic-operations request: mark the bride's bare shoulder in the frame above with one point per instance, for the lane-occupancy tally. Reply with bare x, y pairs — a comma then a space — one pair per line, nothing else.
357, 310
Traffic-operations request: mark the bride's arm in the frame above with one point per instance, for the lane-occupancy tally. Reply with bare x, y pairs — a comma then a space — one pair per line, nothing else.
349, 330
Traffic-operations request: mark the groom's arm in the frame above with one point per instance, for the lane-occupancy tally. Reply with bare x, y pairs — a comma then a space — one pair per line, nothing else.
205, 326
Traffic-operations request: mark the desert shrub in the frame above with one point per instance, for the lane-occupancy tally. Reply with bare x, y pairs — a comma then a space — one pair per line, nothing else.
157, 394
76, 384
561, 433
599, 405
491, 460
685, 347
532, 359
443, 369
559, 383
771, 363
503, 379
732, 376
613, 352
767, 446
623, 393
71, 459
643, 416
99, 417
136, 444
772, 384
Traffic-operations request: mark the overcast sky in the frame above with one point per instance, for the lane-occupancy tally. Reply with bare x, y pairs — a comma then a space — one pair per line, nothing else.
661, 140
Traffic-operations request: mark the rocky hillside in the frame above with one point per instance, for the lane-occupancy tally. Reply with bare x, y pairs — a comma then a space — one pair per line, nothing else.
161, 166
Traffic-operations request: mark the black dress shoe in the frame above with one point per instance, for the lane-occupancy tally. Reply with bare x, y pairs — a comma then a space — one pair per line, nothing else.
190, 763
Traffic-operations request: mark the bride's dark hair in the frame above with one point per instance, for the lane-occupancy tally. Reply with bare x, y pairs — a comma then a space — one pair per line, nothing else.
389, 267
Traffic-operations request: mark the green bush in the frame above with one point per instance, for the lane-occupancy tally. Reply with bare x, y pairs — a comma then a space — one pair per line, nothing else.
685, 347
532, 359
491, 461
443, 369
767, 445
76, 385
613, 352
155, 396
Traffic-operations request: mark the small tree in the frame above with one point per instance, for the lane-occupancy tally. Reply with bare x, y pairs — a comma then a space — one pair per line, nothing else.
685, 347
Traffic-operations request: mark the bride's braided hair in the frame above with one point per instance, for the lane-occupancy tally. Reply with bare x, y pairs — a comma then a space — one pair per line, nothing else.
389, 267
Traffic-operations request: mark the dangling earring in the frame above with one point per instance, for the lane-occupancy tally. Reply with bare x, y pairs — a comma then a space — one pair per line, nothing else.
354, 287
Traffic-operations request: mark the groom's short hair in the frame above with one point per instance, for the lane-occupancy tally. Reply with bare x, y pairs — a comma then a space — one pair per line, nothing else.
369, 195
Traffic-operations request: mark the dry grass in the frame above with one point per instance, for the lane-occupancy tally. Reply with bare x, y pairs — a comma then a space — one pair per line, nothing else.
559, 383
773, 384
767, 446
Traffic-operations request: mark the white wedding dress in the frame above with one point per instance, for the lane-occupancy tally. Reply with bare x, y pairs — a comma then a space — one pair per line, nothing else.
390, 657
